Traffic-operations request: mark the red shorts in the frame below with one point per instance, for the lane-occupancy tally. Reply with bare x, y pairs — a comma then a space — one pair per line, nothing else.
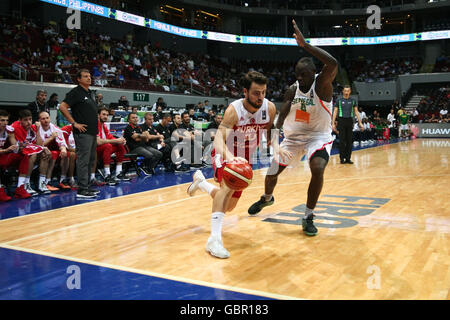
12, 159
219, 174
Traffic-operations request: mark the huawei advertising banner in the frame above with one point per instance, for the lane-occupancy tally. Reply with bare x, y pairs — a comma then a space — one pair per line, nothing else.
431, 130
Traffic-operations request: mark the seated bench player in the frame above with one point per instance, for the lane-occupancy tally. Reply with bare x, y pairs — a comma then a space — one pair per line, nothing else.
70, 142
10, 157
107, 144
31, 145
53, 139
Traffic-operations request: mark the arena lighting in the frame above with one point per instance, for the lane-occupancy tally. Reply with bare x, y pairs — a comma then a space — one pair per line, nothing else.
241, 39
177, 9
209, 14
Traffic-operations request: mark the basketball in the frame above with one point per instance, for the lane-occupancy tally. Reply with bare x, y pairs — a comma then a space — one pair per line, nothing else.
238, 176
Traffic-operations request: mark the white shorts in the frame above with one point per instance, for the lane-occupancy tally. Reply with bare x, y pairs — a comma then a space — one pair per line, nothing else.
309, 147
404, 127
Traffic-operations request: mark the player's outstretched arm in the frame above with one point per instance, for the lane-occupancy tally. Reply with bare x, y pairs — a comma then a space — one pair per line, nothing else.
330, 65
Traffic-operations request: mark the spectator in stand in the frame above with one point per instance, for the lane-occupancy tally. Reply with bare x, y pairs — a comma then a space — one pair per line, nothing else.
53, 139
124, 102
443, 114
136, 140
38, 105
159, 113
11, 157
31, 145
160, 102
53, 101
107, 144
99, 100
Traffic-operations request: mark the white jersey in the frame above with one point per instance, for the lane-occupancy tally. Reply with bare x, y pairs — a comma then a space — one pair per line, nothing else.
248, 129
309, 116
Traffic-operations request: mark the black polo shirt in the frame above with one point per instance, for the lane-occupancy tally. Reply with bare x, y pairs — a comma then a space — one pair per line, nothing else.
165, 131
212, 125
84, 109
189, 127
152, 131
128, 132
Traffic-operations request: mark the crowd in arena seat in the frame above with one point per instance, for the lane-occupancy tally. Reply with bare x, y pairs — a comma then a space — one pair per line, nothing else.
379, 70
125, 64
434, 107
442, 64
54, 57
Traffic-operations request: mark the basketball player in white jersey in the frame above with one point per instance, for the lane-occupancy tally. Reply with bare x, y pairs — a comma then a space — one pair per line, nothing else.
306, 120
237, 137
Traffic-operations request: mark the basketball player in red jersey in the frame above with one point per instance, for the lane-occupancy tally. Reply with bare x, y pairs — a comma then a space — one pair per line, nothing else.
306, 120
236, 139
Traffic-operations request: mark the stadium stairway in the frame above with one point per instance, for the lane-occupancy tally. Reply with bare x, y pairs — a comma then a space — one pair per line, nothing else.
413, 103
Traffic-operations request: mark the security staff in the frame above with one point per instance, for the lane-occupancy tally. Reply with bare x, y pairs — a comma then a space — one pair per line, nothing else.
345, 109
84, 121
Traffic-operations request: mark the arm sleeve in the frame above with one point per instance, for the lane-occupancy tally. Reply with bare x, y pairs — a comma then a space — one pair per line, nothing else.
70, 99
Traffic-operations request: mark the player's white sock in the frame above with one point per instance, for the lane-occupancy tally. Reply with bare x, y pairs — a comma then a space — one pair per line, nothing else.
216, 224
205, 186
107, 171
27, 179
118, 169
268, 196
92, 176
21, 181
41, 179
308, 212
62, 178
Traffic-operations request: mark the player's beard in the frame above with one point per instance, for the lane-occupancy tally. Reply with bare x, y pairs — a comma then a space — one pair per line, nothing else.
252, 104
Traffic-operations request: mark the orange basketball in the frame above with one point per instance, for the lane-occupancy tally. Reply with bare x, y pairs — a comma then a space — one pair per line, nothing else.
238, 176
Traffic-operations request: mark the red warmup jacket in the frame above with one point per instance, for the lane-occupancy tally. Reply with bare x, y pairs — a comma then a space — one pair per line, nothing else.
106, 133
21, 136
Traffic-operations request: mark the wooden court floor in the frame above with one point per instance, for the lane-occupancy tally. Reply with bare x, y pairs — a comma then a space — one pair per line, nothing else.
384, 231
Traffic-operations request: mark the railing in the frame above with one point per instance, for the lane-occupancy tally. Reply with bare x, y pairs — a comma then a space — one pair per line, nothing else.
9, 66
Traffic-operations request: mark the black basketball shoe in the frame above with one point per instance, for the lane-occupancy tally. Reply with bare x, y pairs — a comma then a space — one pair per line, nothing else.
259, 205
308, 226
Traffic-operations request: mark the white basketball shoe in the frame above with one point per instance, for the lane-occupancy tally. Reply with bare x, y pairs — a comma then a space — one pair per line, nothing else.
198, 177
215, 247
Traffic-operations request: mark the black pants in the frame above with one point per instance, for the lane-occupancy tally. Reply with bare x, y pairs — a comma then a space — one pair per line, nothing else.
345, 128
151, 155
86, 146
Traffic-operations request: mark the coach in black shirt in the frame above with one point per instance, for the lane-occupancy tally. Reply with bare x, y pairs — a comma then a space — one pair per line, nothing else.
345, 109
84, 120
137, 140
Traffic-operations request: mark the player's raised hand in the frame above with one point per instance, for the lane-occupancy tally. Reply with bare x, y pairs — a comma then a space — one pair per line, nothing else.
298, 35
